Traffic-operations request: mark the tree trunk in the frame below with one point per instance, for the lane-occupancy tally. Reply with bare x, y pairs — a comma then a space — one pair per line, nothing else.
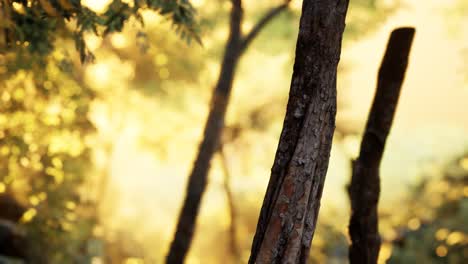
198, 177
235, 46
364, 189
289, 213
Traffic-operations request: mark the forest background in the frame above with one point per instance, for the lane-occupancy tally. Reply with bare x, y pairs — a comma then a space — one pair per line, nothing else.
100, 162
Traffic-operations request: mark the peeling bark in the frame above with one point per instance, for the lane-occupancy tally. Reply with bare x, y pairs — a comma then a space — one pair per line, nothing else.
290, 209
364, 189
235, 46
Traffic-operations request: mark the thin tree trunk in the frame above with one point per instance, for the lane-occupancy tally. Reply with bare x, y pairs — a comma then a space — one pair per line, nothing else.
364, 189
235, 46
233, 244
289, 213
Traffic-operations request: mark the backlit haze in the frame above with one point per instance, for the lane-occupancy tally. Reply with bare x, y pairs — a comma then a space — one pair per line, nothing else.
151, 142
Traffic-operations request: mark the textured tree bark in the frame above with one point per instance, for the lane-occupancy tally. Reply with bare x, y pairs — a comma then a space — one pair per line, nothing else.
364, 189
235, 46
289, 213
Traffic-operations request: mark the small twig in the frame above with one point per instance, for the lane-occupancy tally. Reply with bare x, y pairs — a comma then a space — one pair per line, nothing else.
233, 245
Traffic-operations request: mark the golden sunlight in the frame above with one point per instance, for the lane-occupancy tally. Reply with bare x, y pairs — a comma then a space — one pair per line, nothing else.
98, 6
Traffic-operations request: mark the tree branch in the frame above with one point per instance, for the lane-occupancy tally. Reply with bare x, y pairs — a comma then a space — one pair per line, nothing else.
262, 23
364, 189
235, 24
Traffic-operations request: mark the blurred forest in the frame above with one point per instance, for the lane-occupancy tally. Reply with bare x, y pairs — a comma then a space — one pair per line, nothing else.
102, 111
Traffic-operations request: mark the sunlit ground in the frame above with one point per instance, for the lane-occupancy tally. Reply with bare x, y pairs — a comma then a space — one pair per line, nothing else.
147, 187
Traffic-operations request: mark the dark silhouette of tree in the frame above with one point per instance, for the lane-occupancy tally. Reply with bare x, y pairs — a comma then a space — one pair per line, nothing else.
290, 209
236, 45
364, 189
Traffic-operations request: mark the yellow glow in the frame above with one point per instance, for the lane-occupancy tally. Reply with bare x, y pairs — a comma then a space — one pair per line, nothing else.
70, 205
191, 259
57, 163
6, 96
455, 238
71, 216
465, 191
134, 261
98, 231
247, 26
442, 186
100, 73
33, 147
296, 5
318, 241
42, 196
34, 200
441, 234
453, 194
3, 119
414, 223
28, 215
66, 226
164, 73
2, 187
464, 163
119, 41
19, 94
351, 145
151, 18
197, 3
441, 251
227, 5
389, 234
18, 8
131, 3
56, 174
161, 59
92, 41
24, 162
98, 6
385, 253
97, 260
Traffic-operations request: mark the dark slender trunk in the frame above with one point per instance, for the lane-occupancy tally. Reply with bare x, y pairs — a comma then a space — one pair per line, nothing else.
198, 178
364, 189
213, 128
289, 213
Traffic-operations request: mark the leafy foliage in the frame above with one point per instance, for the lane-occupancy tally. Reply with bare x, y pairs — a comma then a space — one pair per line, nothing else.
437, 230
44, 126
34, 25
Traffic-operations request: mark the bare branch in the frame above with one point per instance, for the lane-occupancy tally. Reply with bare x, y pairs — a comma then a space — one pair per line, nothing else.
262, 23
233, 244
364, 189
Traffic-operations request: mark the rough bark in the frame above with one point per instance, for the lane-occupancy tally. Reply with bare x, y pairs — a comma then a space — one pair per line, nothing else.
235, 46
289, 213
364, 189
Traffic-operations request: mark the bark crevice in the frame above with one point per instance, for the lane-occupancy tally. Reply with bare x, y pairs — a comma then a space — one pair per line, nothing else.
291, 205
